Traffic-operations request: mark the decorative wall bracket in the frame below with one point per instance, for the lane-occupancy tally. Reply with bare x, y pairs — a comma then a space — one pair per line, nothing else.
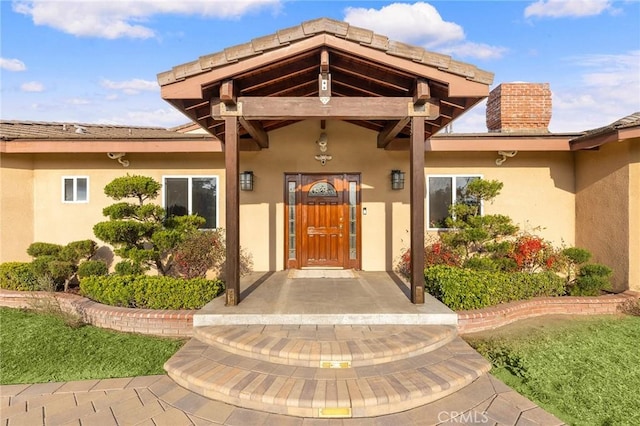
119, 156
323, 158
505, 155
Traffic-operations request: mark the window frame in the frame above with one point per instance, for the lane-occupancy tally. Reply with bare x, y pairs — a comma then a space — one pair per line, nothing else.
190, 195
454, 196
75, 189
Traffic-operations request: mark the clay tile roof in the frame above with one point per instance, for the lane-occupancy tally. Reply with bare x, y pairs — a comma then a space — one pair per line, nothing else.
312, 28
10, 130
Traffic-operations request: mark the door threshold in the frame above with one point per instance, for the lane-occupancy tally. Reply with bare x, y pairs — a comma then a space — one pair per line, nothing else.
320, 268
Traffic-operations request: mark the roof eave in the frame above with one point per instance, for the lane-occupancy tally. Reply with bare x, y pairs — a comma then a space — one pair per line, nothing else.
596, 140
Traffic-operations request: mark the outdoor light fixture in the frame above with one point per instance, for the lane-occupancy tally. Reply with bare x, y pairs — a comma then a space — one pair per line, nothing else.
397, 179
246, 181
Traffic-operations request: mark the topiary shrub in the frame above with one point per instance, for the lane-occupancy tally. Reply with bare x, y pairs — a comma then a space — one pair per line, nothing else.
143, 233
591, 280
58, 264
91, 268
43, 249
462, 289
151, 292
18, 276
127, 267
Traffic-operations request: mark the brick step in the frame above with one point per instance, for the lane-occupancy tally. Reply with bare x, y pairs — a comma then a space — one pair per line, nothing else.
302, 391
316, 345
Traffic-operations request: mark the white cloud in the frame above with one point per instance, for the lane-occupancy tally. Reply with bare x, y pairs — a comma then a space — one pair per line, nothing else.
131, 87
122, 18
474, 50
78, 101
12, 64
567, 8
32, 86
160, 117
411, 23
420, 24
608, 90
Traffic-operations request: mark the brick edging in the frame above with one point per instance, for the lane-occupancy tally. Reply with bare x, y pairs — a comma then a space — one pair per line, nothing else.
498, 316
174, 323
179, 323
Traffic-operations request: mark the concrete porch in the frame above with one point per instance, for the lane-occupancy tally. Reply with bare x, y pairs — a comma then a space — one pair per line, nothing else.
325, 297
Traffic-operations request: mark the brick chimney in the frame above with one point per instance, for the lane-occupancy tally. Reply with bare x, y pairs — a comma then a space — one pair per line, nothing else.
519, 107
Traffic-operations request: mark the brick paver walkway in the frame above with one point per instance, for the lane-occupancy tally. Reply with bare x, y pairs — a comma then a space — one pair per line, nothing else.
157, 400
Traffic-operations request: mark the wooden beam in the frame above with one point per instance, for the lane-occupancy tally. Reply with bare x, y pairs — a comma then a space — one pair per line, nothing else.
341, 108
422, 92
232, 214
390, 131
227, 94
255, 129
324, 61
417, 195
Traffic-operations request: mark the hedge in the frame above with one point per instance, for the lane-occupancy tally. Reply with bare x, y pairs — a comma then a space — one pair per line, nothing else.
150, 292
466, 289
18, 276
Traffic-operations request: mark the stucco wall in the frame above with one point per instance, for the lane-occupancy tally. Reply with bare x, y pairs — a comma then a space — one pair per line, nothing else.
16, 207
538, 192
607, 211
538, 189
59, 222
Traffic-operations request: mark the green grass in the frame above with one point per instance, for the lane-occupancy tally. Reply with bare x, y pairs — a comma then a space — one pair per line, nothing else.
585, 371
38, 348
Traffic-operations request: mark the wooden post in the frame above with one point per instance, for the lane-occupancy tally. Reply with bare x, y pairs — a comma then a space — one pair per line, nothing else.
232, 189
417, 189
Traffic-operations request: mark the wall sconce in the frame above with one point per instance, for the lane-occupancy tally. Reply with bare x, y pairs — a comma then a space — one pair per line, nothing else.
246, 181
322, 142
397, 179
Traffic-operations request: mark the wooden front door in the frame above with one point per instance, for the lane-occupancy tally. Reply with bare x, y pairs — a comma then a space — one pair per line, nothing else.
323, 224
323, 213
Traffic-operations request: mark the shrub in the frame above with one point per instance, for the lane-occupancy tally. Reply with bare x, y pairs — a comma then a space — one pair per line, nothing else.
18, 276
76, 251
91, 268
631, 307
531, 253
434, 254
200, 252
139, 232
43, 249
151, 292
591, 280
577, 255
462, 289
127, 267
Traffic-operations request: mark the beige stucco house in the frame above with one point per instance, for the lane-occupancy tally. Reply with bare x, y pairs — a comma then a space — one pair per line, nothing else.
325, 145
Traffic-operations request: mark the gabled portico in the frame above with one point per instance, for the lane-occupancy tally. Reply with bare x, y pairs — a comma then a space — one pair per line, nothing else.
324, 70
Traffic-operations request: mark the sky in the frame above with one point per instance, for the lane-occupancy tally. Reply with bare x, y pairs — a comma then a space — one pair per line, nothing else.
96, 61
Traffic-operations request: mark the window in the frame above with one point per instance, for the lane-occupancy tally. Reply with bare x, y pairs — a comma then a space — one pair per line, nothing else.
192, 195
443, 191
75, 189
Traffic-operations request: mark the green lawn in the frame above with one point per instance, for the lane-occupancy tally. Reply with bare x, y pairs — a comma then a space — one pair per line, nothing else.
36, 348
584, 370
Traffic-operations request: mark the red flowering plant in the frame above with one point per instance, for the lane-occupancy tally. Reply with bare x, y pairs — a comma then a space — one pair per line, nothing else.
533, 254
435, 253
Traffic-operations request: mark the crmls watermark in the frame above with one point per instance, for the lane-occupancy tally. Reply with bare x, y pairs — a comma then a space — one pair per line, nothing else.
465, 418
